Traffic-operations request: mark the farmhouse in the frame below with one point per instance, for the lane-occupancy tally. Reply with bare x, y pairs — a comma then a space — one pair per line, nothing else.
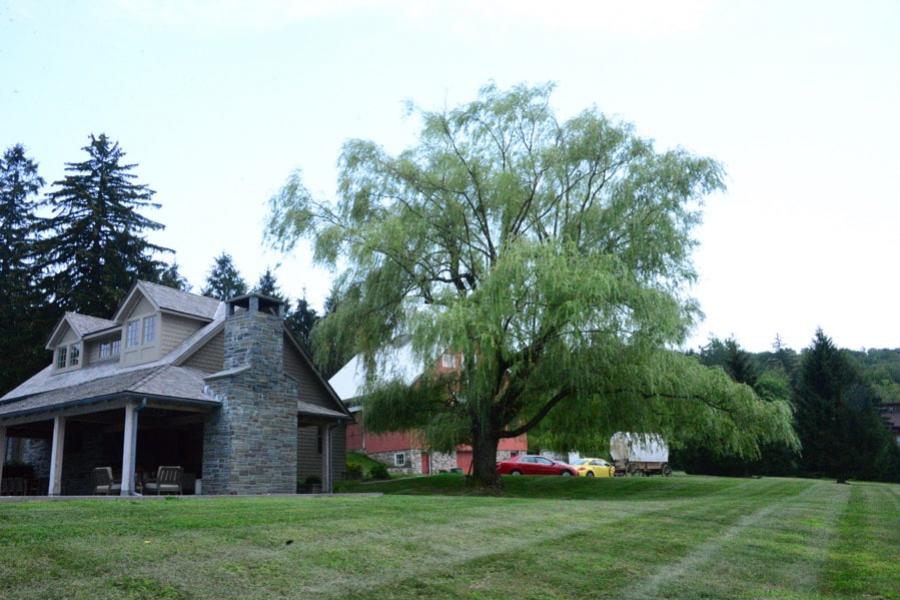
404, 451
220, 389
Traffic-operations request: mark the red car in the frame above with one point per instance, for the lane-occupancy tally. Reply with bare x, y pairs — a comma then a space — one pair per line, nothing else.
527, 464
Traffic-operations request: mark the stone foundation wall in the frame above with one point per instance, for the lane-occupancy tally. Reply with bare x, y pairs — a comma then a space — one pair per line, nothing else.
83, 452
440, 461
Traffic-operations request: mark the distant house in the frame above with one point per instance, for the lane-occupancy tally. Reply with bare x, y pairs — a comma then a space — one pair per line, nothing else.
221, 389
404, 451
890, 413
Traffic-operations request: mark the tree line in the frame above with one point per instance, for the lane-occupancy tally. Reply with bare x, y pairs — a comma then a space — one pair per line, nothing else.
80, 243
835, 395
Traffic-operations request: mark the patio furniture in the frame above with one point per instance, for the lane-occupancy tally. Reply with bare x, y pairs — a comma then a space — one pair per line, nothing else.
168, 481
103, 482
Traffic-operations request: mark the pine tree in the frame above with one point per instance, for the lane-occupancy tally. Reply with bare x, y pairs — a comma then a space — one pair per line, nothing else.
98, 247
836, 418
301, 320
22, 316
268, 285
171, 276
224, 280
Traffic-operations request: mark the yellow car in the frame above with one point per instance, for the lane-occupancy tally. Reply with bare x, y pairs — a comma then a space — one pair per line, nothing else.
593, 467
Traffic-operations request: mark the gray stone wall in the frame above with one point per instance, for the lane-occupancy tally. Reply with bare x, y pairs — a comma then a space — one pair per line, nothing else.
250, 444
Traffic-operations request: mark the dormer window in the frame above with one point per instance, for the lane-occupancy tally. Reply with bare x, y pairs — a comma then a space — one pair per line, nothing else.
149, 329
133, 334
61, 357
68, 356
109, 349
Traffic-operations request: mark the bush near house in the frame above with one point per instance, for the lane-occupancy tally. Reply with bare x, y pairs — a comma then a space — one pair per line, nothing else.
368, 467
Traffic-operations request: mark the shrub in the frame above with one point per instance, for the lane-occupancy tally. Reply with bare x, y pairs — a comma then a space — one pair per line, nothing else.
379, 471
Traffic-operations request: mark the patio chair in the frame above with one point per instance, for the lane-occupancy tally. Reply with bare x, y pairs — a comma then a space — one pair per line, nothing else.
168, 481
103, 482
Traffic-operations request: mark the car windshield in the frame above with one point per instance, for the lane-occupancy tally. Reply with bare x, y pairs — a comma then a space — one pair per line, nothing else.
578, 461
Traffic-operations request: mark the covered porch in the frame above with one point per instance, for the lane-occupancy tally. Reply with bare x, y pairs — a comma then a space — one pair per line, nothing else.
54, 451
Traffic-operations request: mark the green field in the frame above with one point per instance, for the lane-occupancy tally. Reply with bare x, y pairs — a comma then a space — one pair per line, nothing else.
682, 537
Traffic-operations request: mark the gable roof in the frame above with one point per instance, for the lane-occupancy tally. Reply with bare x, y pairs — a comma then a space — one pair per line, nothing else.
168, 377
169, 299
81, 324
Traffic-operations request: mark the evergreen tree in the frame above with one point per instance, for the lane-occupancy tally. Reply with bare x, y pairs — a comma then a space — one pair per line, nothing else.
268, 285
171, 276
839, 428
22, 316
224, 281
301, 321
97, 246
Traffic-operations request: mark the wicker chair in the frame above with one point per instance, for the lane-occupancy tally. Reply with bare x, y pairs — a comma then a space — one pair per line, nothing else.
168, 481
103, 482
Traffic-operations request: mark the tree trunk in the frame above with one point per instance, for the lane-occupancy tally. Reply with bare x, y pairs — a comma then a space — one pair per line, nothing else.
484, 458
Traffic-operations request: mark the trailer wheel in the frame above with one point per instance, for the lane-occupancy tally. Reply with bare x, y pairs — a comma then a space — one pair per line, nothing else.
666, 470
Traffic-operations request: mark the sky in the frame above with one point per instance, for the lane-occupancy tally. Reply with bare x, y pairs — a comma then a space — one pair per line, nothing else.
219, 101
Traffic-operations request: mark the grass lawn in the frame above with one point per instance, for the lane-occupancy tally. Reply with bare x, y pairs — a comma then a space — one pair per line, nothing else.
682, 537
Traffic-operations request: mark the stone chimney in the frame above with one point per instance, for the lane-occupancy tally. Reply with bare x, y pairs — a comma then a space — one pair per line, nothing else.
250, 443
253, 333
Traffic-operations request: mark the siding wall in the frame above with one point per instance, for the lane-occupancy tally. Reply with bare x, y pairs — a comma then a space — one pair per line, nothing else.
92, 349
211, 357
175, 330
309, 459
310, 388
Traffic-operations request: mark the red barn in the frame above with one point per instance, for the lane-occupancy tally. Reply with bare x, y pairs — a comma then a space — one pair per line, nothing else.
405, 451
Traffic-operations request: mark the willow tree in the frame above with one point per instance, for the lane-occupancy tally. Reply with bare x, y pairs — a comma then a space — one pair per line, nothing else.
553, 256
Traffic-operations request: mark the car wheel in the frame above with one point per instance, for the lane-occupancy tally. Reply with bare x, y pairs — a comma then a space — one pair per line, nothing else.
590, 473
566, 473
515, 472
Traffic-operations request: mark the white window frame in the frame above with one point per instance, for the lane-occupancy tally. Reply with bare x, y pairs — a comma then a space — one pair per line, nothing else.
129, 343
115, 348
448, 360
402, 457
149, 326
62, 356
74, 353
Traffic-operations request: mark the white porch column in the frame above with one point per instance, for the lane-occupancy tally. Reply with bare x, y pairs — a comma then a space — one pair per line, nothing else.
56, 456
129, 449
2, 453
327, 467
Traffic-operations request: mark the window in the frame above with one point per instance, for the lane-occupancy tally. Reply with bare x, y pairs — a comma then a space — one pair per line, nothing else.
448, 361
74, 354
109, 349
399, 459
543, 461
132, 334
61, 358
149, 329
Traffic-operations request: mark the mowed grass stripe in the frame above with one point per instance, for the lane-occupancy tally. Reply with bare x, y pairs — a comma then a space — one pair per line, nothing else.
596, 559
776, 552
864, 561
612, 538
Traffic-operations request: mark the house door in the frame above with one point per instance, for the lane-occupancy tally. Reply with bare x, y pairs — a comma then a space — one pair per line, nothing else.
426, 463
464, 460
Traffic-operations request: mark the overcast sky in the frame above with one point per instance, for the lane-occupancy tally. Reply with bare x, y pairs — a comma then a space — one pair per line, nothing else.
219, 101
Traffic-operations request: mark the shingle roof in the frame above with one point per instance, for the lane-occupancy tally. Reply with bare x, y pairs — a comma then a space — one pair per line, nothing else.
184, 302
160, 381
85, 324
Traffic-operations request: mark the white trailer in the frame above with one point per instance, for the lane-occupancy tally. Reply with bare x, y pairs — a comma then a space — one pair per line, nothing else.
639, 454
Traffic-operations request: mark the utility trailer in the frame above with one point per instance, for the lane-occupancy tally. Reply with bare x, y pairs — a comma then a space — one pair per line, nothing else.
639, 454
